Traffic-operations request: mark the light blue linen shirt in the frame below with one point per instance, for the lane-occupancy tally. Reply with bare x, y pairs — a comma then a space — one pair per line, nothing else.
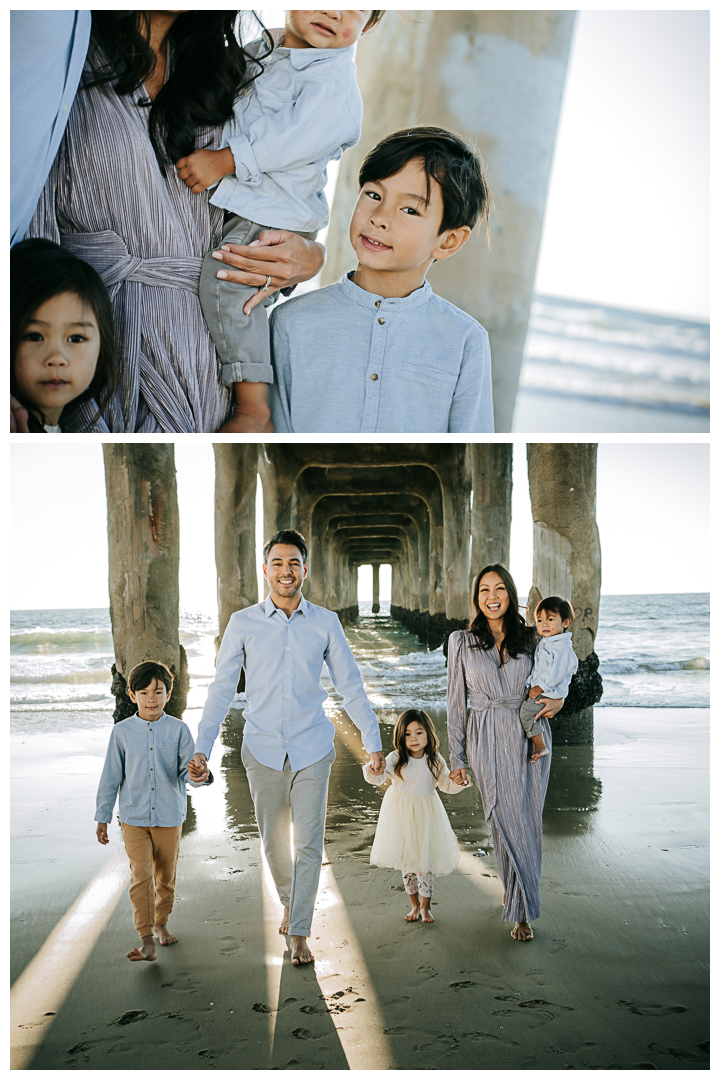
47, 54
302, 112
283, 661
347, 360
554, 665
146, 762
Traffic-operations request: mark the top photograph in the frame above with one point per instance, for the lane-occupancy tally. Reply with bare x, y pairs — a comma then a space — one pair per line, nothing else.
357, 221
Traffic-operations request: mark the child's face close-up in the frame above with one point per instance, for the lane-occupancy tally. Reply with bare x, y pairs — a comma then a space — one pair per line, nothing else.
150, 700
393, 228
324, 29
549, 623
57, 355
415, 738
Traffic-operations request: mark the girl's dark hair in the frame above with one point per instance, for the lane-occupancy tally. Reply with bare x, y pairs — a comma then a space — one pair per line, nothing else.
519, 637
447, 158
41, 269
556, 605
431, 750
209, 68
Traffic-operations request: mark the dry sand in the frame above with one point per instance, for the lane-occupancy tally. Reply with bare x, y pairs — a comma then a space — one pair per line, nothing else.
615, 978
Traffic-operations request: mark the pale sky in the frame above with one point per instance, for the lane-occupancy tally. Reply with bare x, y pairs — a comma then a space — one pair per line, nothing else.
652, 512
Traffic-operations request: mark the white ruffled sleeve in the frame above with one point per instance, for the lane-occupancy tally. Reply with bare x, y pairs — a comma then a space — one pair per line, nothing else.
382, 777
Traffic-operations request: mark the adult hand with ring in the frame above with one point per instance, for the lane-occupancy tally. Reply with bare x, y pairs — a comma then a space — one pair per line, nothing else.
277, 255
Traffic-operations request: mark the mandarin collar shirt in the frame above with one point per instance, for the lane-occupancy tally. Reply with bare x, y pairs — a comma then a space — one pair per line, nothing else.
146, 763
347, 360
283, 661
554, 665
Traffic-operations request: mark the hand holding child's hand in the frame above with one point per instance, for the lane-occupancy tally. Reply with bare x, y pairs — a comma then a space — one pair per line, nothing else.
101, 833
197, 769
459, 776
205, 167
378, 763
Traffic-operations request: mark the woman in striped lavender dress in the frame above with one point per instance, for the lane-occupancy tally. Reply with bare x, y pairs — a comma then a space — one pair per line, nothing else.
487, 668
156, 86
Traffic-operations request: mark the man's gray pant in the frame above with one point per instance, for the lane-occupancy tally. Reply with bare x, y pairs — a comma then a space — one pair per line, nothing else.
299, 799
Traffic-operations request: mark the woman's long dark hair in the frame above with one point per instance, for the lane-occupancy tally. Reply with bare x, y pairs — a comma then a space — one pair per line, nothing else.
39, 270
209, 68
431, 750
519, 637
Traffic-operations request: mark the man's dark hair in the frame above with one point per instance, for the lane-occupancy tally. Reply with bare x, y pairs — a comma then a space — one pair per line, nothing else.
448, 159
143, 674
556, 605
287, 536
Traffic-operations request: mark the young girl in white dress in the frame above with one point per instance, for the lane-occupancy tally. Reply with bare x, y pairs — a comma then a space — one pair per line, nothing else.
413, 833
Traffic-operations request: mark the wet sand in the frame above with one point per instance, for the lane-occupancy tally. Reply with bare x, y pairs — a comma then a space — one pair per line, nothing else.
615, 978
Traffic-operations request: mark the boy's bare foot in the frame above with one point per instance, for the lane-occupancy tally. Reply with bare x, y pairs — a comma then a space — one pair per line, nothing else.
522, 931
539, 748
285, 924
300, 952
146, 952
414, 915
427, 915
163, 934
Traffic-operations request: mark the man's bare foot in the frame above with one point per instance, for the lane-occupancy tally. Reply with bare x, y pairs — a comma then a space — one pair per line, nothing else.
427, 915
522, 931
285, 924
147, 952
300, 952
414, 915
163, 934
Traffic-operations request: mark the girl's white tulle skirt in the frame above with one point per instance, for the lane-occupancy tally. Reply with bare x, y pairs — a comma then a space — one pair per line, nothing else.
414, 833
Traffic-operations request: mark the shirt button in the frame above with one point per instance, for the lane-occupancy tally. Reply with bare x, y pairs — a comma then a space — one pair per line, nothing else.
374, 377
381, 321
378, 303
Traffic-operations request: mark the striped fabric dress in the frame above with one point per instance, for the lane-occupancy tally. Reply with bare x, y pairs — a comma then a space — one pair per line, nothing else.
492, 740
107, 200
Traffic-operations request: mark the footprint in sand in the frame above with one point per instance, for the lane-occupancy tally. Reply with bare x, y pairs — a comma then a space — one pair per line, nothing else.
557, 946
462, 985
261, 1007
537, 976
652, 1010
303, 1033
426, 973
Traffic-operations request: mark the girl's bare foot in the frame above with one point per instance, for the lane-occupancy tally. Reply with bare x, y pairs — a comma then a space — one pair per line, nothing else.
147, 952
522, 931
285, 924
300, 952
427, 915
163, 934
414, 914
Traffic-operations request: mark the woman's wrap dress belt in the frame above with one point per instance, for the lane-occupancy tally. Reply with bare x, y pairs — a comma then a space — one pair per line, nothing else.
108, 254
480, 703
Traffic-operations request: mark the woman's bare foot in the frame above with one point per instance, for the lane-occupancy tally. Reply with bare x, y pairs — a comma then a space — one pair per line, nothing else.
147, 952
285, 924
163, 934
427, 915
522, 931
414, 914
300, 952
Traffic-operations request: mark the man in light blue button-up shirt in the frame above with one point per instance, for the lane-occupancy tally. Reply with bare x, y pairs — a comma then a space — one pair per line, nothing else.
287, 750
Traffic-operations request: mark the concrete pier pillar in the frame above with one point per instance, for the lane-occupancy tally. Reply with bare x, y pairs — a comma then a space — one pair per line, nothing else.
376, 588
235, 556
144, 552
566, 562
497, 78
492, 504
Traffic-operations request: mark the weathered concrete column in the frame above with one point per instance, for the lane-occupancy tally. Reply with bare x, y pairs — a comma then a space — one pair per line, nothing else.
566, 562
492, 504
376, 588
235, 558
497, 78
144, 552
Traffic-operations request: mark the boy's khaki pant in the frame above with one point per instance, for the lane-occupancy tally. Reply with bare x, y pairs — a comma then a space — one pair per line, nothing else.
153, 855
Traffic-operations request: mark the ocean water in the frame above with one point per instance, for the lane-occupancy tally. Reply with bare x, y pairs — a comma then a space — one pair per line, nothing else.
593, 367
654, 652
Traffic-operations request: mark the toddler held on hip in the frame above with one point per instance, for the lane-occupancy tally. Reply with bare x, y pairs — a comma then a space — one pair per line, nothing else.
413, 833
301, 111
554, 665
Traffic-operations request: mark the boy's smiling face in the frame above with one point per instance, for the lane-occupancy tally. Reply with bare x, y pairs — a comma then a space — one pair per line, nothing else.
324, 29
395, 230
150, 700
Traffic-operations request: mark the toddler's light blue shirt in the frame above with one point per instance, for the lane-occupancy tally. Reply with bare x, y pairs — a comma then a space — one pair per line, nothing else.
347, 360
302, 112
554, 665
283, 661
146, 762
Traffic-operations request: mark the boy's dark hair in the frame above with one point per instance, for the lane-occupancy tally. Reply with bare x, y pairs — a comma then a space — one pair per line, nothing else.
143, 674
375, 17
447, 158
556, 605
41, 269
287, 536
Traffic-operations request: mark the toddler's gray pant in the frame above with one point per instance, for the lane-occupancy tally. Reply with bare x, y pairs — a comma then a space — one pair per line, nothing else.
242, 341
299, 799
528, 711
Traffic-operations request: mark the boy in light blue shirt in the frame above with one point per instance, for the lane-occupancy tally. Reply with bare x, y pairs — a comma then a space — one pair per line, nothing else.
302, 110
554, 665
378, 351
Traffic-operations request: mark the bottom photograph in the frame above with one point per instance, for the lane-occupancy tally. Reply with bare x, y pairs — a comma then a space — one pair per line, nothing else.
360, 756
